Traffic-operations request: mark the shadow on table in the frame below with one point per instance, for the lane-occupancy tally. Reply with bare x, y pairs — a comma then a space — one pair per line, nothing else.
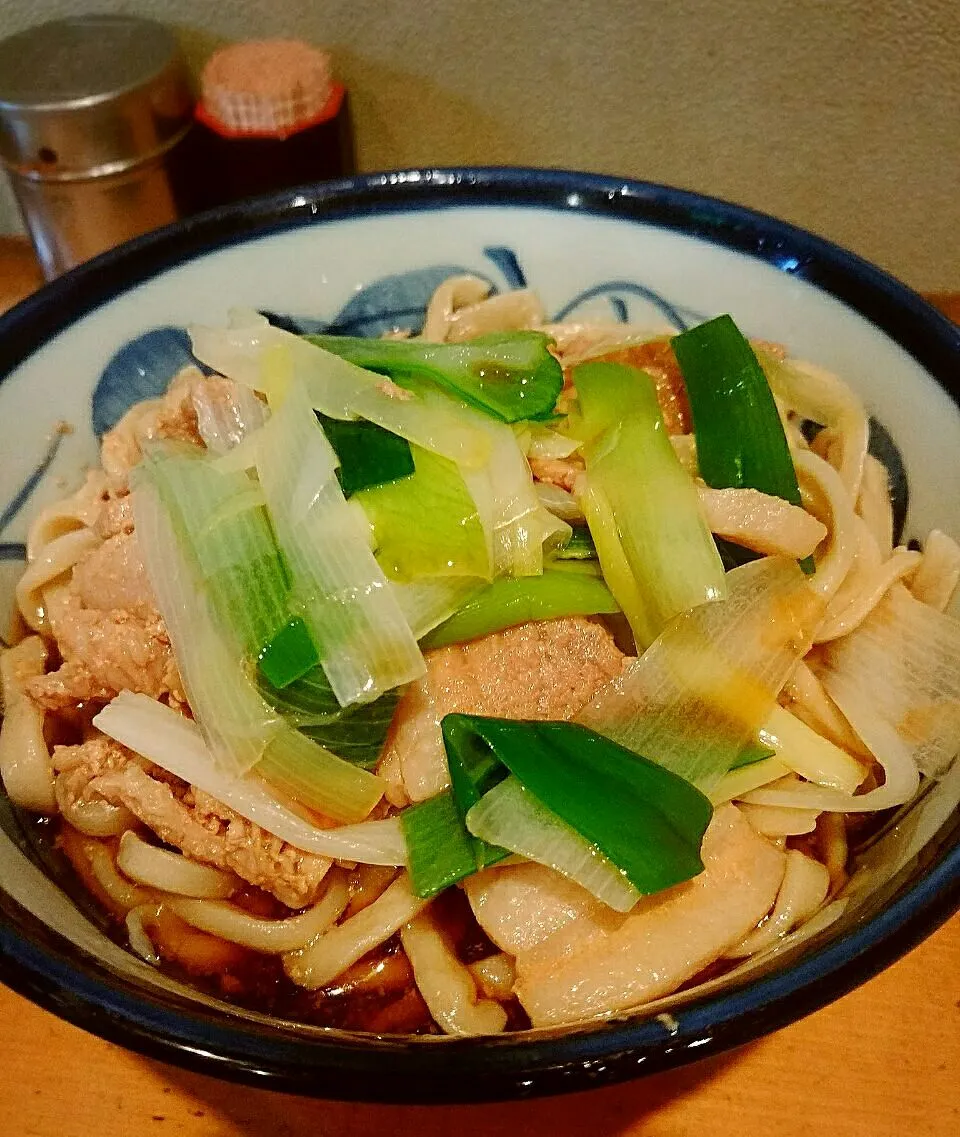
242, 1110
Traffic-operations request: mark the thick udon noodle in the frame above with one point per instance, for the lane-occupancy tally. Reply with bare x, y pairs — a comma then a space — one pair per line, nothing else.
843, 487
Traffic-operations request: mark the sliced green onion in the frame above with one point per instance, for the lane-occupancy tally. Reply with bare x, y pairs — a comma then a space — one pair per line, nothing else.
427, 525
269, 359
369, 455
657, 555
578, 547
740, 438
510, 375
754, 751
356, 733
222, 526
648, 821
704, 689
440, 851
289, 655
519, 600
474, 769
365, 643
511, 816
312, 776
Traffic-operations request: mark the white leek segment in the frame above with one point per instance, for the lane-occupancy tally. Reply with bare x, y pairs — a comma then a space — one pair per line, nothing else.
242, 730
175, 744
364, 642
427, 602
511, 817
701, 691
270, 360
236, 721
516, 523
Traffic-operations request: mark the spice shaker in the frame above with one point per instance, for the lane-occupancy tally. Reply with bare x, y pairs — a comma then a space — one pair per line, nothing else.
92, 109
270, 115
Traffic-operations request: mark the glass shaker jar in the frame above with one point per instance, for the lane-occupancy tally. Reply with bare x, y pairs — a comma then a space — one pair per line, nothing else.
91, 111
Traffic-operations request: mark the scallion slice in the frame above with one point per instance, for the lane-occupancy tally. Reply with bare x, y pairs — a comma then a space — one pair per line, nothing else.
657, 555
369, 455
509, 375
289, 655
648, 821
740, 438
440, 851
517, 600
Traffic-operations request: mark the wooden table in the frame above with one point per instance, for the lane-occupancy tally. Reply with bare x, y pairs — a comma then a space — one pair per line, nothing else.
882, 1062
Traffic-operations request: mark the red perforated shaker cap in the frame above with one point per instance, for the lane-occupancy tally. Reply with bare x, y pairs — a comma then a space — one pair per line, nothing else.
266, 88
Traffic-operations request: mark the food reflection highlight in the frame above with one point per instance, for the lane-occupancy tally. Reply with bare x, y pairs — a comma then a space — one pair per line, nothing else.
509, 674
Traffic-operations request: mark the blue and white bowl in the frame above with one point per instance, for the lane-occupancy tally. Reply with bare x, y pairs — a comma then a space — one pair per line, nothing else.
362, 255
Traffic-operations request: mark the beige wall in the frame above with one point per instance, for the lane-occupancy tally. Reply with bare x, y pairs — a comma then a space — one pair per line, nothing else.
841, 116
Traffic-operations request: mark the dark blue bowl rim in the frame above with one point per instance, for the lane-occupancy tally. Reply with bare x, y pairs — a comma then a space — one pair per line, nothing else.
48, 969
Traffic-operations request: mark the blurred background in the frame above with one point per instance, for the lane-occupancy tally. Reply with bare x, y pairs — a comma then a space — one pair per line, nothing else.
840, 116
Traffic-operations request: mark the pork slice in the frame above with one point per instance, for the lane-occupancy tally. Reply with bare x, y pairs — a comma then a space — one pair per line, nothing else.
115, 516
172, 416
113, 576
546, 669
560, 472
520, 906
105, 652
587, 969
208, 831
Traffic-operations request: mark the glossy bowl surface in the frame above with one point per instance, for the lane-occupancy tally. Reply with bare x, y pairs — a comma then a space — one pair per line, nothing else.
363, 255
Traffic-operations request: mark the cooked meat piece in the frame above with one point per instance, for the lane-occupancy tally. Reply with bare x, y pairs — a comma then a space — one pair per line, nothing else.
77, 766
210, 832
116, 515
172, 416
543, 670
104, 652
113, 576
589, 968
562, 472
225, 411
520, 906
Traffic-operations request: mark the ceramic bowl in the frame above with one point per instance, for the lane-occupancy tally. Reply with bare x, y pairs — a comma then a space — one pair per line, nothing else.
363, 255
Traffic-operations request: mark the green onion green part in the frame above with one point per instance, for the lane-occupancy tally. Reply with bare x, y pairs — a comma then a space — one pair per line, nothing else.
356, 733
509, 375
368, 454
517, 600
740, 439
646, 820
754, 751
440, 851
289, 655
578, 547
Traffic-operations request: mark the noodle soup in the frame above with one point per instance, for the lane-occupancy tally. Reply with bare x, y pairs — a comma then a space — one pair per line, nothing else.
507, 673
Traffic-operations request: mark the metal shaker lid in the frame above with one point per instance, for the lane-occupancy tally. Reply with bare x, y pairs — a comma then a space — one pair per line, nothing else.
90, 95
